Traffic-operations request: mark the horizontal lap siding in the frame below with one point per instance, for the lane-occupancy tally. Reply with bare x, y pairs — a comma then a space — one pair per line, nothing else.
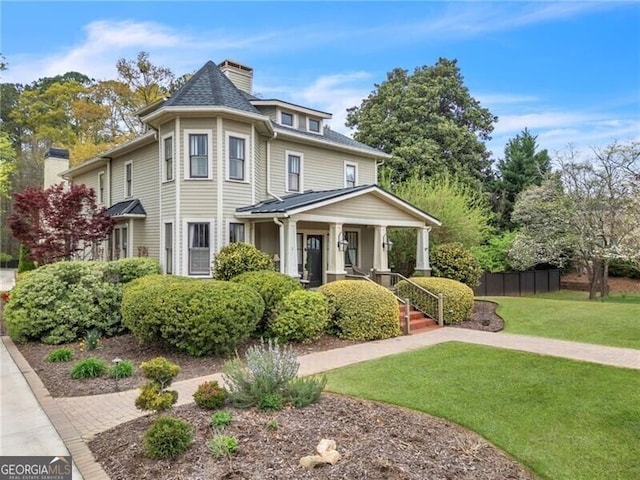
365, 207
90, 179
236, 194
322, 169
146, 176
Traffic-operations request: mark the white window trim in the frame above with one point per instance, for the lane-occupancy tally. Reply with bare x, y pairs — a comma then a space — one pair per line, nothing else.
101, 177
286, 170
187, 153
319, 132
163, 245
185, 243
247, 156
228, 230
164, 163
294, 121
127, 194
348, 163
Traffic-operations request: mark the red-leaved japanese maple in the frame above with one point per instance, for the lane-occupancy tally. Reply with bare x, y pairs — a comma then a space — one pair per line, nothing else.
58, 221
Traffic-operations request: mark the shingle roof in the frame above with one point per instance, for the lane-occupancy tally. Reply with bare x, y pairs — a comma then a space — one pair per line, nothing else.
126, 207
210, 87
331, 137
298, 200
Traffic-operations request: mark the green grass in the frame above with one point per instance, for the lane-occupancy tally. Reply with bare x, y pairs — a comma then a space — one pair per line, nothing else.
566, 316
560, 418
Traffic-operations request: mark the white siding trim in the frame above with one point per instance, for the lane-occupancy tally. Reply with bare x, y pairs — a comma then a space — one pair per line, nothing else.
286, 171
177, 229
220, 192
248, 154
187, 159
253, 164
185, 243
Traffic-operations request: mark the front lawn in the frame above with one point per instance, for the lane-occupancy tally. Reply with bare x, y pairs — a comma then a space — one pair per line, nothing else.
563, 419
615, 322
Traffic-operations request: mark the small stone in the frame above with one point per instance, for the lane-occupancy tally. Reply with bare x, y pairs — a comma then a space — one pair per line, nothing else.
325, 444
312, 461
331, 456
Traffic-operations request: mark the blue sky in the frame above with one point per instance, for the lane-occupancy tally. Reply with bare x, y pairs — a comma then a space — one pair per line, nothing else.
568, 71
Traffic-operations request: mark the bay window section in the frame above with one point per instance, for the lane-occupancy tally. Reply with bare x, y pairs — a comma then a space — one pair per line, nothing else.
168, 159
236, 158
198, 156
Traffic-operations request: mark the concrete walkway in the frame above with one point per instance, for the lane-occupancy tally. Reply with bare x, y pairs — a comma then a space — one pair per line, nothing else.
78, 419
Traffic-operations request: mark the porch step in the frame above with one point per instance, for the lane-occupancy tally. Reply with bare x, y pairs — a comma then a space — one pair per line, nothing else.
418, 321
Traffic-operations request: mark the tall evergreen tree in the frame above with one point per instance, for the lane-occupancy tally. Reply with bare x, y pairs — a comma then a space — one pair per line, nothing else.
521, 167
428, 121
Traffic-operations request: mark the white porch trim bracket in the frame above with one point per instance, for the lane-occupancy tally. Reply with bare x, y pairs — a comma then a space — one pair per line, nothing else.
422, 249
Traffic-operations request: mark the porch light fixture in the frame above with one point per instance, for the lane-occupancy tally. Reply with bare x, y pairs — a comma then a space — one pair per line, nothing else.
387, 244
343, 243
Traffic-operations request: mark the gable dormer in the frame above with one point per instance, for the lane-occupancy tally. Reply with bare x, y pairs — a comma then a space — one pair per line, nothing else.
290, 115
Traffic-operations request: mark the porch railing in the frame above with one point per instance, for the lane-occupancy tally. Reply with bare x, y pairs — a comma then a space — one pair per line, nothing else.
422, 299
406, 303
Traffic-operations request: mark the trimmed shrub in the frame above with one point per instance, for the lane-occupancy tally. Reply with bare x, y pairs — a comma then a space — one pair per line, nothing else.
457, 297
126, 270
237, 258
58, 303
89, 367
123, 369
210, 395
454, 261
362, 310
153, 396
168, 437
301, 316
63, 354
25, 264
199, 317
160, 371
273, 287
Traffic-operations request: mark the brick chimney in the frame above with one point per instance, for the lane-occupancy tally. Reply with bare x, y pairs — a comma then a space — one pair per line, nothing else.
56, 161
240, 75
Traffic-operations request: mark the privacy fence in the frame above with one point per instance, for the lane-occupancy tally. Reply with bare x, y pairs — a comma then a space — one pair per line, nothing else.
515, 284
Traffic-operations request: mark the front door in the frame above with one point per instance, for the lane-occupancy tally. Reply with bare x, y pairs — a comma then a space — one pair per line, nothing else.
314, 260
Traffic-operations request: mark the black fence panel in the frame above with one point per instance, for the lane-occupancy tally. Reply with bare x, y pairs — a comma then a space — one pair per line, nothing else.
515, 284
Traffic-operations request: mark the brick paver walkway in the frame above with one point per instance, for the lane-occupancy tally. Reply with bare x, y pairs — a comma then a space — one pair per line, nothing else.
78, 419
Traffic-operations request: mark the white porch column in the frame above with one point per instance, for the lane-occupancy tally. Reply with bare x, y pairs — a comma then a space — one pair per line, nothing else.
291, 248
422, 250
380, 254
336, 256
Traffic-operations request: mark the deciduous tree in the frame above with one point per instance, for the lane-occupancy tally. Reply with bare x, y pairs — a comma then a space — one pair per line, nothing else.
58, 222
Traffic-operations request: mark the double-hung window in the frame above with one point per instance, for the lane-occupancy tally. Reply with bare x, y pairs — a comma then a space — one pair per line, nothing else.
168, 159
128, 179
237, 158
294, 172
199, 249
198, 155
351, 252
236, 232
101, 187
350, 174
168, 248
286, 118
314, 125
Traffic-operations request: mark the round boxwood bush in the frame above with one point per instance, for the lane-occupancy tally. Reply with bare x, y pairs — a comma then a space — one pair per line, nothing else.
273, 287
199, 317
454, 261
301, 316
458, 298
362, 310
210, 395
237, 258
127, 269
168, 437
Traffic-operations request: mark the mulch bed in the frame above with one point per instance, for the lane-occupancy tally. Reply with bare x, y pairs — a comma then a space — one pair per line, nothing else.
57, 377
483, 317
376, 441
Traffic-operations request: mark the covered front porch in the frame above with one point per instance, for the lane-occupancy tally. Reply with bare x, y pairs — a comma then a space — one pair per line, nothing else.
323, 236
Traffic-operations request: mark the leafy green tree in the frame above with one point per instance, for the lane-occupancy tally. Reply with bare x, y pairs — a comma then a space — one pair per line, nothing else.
463, 211
521, 166
428, 121
7, 163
